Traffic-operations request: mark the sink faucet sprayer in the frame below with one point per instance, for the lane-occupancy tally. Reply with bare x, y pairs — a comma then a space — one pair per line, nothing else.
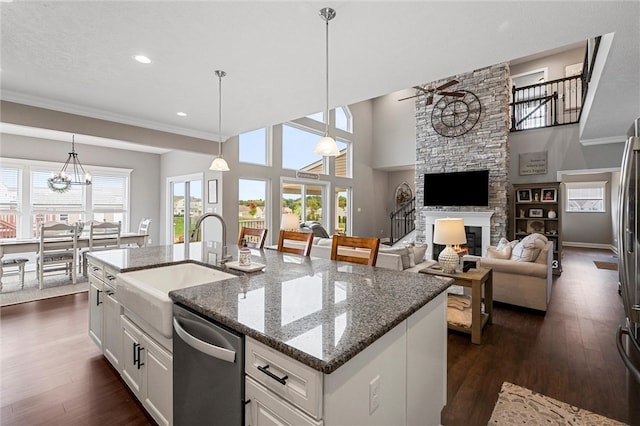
196, 229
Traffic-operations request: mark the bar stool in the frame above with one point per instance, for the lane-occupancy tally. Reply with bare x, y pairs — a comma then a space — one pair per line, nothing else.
19, 263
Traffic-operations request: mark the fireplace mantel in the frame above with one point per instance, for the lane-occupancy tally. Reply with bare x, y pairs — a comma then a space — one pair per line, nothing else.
471, 218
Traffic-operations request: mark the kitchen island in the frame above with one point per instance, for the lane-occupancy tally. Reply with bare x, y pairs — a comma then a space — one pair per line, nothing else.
375, 337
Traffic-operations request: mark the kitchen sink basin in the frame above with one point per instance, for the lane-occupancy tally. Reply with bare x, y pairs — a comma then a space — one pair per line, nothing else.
146, 292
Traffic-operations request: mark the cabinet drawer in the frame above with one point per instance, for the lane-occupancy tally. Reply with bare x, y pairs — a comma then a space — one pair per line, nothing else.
110, 276
264, 408
96, 269
302, 386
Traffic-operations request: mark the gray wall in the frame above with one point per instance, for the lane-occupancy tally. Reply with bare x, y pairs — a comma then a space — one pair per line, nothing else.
590, 228
145, 185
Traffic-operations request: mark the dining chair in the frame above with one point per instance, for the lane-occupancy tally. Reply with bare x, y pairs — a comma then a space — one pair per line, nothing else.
306, 237
360, 244
57, 250
102, 236
143, 229
254, 237
15, 262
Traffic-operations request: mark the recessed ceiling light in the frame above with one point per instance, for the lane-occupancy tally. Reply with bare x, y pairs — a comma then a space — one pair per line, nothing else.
142, 59
182, 114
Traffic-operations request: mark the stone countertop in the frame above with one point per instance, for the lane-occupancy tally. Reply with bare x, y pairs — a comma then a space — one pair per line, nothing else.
317, 311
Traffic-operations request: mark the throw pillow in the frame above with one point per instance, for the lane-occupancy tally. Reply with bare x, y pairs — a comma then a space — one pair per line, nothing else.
503, 243
529, 248
495, 253
403, 252
419, 253
325, 242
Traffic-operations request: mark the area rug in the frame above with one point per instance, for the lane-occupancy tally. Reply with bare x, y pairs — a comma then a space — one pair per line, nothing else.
54, 286
606, 265
520, 406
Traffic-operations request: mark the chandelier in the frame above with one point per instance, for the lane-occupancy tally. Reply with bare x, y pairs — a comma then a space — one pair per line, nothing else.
75, 175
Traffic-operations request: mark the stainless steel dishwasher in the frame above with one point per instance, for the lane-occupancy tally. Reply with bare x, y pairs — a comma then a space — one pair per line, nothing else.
208, 371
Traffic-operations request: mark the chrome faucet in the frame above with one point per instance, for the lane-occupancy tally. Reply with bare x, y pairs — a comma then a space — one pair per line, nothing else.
224, 258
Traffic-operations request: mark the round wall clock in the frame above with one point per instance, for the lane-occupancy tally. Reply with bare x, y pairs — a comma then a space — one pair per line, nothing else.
455, 115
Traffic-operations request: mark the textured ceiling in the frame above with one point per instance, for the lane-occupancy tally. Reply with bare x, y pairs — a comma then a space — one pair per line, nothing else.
77, 56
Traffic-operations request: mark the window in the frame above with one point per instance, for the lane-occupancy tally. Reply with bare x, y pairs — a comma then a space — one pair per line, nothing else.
585, 197
342, 209
305, 200
297, 149
343, 119
10, 201
252, 206
26, 199
47, 206
318, 116
253, 147
109, 197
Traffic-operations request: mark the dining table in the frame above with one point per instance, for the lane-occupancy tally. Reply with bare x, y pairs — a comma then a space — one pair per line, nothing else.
32, 245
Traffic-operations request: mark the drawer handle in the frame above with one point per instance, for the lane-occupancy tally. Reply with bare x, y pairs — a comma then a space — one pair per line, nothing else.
265, 370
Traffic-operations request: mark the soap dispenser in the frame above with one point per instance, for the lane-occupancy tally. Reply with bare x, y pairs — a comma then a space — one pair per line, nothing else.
244, 257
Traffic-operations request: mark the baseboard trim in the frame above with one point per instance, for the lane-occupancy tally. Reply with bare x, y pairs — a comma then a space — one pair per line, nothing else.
590, 245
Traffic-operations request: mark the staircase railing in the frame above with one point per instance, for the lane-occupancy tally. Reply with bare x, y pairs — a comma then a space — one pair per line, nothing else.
403, 221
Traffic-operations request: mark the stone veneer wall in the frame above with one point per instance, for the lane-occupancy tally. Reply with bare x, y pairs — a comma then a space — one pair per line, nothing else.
483, 147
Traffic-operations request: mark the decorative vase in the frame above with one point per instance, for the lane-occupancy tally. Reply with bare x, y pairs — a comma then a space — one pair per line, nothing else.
551, 214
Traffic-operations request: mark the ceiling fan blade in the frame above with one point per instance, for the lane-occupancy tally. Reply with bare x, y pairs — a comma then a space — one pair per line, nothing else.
429, 100
410, 97
421, 88
447, 84
455, 94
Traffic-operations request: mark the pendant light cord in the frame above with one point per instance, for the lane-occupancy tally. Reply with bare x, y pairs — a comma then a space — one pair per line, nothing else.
326, 119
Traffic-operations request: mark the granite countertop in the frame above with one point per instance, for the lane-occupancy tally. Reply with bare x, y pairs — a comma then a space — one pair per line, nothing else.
317, 311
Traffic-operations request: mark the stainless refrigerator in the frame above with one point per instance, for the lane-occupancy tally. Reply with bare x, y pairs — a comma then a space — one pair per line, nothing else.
629, 252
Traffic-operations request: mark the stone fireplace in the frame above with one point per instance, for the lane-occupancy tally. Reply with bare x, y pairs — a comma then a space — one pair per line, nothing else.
484, 147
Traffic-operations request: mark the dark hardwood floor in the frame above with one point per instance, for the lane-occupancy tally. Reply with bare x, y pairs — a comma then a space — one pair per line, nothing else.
568, 354
52, 373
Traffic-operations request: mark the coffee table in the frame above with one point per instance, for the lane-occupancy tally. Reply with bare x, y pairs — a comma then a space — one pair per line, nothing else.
474, 279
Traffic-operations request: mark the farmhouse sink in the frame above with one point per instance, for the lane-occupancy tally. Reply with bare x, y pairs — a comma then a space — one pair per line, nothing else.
146, 292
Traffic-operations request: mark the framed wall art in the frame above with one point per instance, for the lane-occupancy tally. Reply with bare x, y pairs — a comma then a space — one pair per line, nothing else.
523, 195
549, 195
535, 212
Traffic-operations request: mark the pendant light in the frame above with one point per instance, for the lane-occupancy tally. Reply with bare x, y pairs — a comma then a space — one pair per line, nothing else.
327, 146
76, 175
219, 164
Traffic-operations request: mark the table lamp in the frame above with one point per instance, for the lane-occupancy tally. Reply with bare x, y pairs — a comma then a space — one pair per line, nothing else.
449, 232
290, 222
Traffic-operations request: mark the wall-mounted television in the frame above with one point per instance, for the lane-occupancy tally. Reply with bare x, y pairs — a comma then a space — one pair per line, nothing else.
468, 188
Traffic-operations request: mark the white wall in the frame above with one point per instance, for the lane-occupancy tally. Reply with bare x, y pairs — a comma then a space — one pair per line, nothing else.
394, 130
145, 178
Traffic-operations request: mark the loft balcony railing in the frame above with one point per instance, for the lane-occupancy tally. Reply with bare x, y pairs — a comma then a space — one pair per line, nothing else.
553, 103
403, 221
547, 104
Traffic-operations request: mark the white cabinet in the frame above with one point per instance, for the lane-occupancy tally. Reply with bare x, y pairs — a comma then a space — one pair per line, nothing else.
147, 369
399, 379
112, 333
96, 310
265, 408
104, 312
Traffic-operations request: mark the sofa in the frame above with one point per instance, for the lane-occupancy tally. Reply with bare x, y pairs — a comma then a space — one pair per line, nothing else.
410, 259
522, 271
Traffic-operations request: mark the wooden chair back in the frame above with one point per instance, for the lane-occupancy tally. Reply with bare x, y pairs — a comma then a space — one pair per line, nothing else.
143, 227
254, 237
373, 244
58, 246
306, 237
104, 235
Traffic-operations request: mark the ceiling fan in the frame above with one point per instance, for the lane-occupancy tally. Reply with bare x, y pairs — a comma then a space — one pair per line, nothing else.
430, 91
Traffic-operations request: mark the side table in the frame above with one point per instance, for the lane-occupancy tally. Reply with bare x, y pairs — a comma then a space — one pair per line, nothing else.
475, 279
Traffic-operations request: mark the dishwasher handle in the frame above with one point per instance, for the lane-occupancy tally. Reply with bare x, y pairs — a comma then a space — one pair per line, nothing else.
204, 347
